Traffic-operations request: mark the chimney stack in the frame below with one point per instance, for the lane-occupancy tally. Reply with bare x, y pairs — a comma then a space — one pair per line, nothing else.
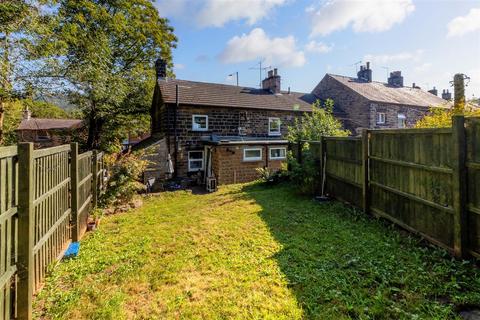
446, 95
161, 68
272, 82
365, 73
434, 91
27, 114
395, 79
414, 86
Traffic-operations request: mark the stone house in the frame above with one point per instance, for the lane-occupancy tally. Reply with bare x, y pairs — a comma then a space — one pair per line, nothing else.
45, 133
227, 132
221, 131
363, 103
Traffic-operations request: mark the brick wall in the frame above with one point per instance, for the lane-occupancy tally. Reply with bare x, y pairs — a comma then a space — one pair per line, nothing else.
229, 166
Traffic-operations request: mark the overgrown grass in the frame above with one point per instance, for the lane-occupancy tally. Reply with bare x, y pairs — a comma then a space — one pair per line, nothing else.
250, 252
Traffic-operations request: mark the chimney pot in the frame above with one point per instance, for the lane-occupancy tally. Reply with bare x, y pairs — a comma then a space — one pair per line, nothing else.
27, 114
161, 68
368, 65
272, 82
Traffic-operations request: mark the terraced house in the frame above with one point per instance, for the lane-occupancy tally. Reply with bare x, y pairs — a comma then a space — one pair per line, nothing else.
223, 133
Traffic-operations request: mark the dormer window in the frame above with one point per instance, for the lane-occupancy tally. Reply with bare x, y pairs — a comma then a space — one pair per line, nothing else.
274, 127
199, 122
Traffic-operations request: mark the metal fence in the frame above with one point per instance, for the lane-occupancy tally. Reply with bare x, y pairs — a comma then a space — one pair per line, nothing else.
45, 199
425, 180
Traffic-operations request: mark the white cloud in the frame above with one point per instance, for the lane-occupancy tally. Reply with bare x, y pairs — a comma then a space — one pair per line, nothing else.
395, 57
464, 24
318, 47
257, 44
364, 16
217, 13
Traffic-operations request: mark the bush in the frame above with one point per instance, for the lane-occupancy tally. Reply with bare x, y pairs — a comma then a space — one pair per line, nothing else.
124, 182
304, 176
271, 176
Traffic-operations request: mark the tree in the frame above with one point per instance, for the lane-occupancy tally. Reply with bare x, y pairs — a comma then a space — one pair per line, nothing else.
320, 122
106, 54
442, 117
15, 27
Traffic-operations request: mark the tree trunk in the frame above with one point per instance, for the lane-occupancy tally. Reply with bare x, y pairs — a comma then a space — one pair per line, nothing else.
95, 126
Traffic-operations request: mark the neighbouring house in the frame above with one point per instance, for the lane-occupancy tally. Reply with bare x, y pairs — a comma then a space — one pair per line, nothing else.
363, 103
46, 133
221, 131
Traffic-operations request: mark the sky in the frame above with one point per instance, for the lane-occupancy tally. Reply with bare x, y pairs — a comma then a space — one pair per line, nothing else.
427, 40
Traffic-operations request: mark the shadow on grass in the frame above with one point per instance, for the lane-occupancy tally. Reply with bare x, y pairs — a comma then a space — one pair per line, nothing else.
340, 263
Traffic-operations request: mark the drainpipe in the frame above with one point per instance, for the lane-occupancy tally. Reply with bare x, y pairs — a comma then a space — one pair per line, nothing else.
175, 142
266, 156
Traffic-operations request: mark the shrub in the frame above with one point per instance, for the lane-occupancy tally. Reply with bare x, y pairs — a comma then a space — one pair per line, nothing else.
271, 176
124, 182
441, 118
304, 176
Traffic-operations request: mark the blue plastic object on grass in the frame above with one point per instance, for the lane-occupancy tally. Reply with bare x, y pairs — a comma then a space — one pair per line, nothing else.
72, 250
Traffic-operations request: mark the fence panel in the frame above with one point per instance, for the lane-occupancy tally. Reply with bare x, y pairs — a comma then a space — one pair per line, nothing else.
344, 168
8, 230
473, 174
84, 167
51, 176
411, 180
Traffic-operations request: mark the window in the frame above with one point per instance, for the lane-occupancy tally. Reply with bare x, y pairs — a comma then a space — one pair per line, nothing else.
195, 160
380, 118
199, 122
278, 153
252, 154
274, 127
402, 120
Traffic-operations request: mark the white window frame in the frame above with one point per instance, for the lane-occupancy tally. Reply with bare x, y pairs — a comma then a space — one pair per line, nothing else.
270, 133
193, 122
277, 158
381, 118
255, 158
191, 160
401, 116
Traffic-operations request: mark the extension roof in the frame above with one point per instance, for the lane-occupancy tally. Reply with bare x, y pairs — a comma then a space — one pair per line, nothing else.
385, 93
49, 124
221, 95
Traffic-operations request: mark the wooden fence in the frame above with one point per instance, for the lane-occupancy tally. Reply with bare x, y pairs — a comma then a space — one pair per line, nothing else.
425, 180
45, 198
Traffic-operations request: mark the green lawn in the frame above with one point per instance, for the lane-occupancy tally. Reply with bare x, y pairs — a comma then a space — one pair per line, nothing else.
251, 252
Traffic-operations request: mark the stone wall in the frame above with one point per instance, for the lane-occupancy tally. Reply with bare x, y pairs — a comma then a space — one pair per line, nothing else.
412, 114
349, 107
356, 112
222, 122
229, 167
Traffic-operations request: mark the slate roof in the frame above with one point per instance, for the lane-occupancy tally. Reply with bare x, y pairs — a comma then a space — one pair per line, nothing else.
382, 92
221, 95
49, 124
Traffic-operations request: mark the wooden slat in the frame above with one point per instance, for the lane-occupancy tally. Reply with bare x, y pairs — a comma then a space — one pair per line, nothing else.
48, 151
412, 165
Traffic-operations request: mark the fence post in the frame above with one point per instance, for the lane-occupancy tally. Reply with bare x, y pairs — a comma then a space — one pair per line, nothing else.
459, 185
74, 190
95, 190
365, 172
25, 231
